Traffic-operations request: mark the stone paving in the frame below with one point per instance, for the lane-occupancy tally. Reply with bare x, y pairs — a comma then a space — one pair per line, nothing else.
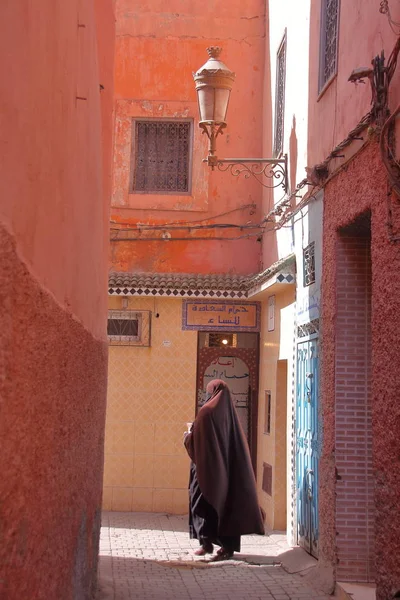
148, 556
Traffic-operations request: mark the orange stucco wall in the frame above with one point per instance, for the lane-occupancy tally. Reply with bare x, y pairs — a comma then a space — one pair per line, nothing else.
55, 163
157, 50
363, 34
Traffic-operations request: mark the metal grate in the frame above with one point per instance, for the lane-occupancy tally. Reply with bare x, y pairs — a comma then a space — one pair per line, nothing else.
162, 156
309, 264
310, 328
221, 340
267, 479
128, 328
280, 97
329, 39
123, 327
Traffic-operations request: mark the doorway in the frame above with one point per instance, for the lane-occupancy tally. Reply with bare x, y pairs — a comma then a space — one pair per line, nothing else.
236, 374
355, 514
307, 446
233, 358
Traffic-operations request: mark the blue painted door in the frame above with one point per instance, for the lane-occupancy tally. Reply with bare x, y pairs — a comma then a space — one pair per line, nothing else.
307, 446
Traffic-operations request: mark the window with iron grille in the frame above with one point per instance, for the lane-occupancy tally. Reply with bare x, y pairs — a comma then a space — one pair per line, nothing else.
309, 264
128, 328
161, 156
280, 97
329, 40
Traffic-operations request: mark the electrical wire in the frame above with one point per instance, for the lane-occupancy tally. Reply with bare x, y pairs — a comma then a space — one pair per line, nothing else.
385, 10
185, 239
253, 206
190, 227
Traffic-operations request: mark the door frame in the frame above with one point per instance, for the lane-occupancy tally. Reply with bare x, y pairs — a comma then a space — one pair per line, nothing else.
307, 339
251, 357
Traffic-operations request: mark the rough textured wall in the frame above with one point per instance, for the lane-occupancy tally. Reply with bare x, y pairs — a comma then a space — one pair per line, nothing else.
359, 188
151, 397
157, 50
53, 355
51, 430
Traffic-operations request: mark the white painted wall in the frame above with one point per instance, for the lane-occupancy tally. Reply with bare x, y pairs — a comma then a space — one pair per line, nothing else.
293, 16
307, 229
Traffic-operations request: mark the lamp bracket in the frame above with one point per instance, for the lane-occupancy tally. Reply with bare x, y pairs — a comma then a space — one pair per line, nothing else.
269, 172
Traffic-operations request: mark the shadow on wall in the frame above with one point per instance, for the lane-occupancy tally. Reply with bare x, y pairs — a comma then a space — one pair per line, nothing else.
293, 154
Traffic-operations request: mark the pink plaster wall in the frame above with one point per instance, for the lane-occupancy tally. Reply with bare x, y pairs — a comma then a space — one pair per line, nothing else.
51, 162
360, 188
157, 50
363, 33
54, 170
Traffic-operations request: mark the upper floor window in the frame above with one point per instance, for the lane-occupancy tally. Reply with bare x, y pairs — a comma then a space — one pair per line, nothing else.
162, 156
329, 41
280, 97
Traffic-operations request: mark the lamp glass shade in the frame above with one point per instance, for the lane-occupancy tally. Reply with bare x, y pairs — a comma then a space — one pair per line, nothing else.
213, 103
213, 85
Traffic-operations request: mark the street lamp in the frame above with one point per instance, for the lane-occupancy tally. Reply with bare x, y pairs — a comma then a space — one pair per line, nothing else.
214, 83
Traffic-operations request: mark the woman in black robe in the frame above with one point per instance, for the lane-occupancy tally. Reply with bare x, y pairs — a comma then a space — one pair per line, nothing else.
223, 501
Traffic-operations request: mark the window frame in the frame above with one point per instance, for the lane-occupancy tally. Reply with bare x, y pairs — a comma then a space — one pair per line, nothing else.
132, 174
282, 50
323, 84
143, 336
309, 248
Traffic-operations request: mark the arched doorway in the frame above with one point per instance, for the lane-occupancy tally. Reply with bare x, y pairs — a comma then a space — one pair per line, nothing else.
236, 374
238, 364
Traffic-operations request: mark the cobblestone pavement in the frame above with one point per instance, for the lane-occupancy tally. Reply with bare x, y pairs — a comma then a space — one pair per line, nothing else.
149, 556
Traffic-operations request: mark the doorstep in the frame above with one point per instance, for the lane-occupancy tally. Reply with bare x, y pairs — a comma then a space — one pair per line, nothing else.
355, 591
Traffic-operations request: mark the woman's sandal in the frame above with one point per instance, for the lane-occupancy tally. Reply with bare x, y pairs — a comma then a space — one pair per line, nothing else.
223, 554
205, 549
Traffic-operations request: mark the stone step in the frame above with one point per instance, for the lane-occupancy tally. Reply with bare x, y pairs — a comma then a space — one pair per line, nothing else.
355, 591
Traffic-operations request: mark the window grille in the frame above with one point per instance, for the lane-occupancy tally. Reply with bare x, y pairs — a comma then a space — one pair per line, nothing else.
162, 156
309, 265
222, 340
329, 40
280, 97
128, 328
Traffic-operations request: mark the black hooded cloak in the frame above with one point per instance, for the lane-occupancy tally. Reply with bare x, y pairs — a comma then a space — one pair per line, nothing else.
222, 489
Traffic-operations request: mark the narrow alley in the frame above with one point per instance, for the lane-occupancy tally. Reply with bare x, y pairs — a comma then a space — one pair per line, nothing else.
199, 299
148, 556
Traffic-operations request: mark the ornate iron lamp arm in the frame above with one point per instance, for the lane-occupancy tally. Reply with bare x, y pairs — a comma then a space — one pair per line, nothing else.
269, 172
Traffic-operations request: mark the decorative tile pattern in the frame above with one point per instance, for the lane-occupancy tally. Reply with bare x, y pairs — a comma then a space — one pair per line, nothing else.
176, 293
183, 285
151, 396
